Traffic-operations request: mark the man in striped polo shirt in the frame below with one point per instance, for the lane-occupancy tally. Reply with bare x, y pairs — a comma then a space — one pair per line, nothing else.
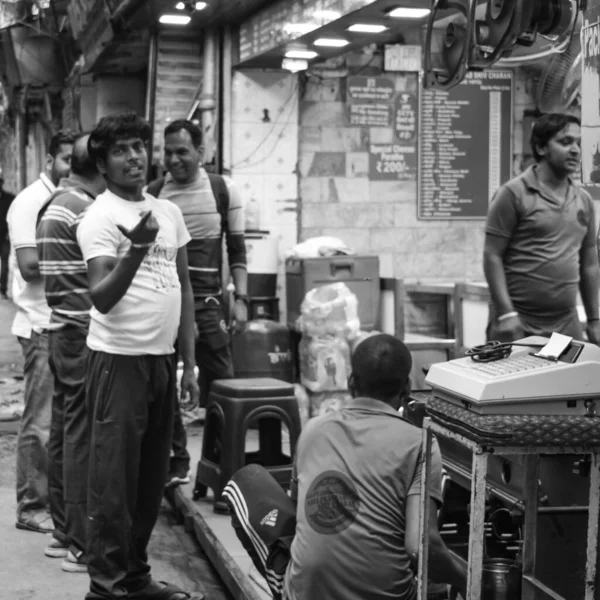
212, 209
67, 293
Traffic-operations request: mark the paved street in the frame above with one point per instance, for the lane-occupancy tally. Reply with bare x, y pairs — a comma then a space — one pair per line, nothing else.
25, 573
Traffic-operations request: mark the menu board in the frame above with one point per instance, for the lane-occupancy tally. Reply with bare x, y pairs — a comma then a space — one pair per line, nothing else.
274, 25
369, 101
465, 146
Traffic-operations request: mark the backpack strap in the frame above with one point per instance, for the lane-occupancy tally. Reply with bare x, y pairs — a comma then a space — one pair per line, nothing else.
221, 194
53, 196
154, 187
219, 190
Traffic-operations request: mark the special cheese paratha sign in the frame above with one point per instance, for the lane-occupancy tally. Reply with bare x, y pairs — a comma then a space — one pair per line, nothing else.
590, 93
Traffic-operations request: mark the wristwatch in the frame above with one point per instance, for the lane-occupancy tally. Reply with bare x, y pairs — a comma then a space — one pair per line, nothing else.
243, 297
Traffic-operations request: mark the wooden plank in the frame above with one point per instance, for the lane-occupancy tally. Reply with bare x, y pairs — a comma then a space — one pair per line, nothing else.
530, 478
591, 570
423, 569
477, 526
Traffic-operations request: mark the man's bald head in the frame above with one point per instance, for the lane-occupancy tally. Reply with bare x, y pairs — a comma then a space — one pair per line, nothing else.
381, 366
81, 164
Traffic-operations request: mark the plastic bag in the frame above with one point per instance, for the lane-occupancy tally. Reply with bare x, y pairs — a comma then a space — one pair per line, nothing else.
303, 403
329, 310
324, 363
320, 246
325, 402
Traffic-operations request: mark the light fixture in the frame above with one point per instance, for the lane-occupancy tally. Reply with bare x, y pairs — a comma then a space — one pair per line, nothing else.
328, 15
301, 54
191, 6
175, 19
331, 42
408, 13
294, 65
366, 28
299, 28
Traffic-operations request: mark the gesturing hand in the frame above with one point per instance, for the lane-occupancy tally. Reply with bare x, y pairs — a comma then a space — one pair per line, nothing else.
144, 233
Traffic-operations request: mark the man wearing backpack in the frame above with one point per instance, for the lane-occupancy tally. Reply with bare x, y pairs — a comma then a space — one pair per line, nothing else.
212, 209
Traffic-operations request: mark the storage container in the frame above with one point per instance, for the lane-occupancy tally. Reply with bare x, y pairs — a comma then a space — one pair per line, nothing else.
262, 255
359, 273
263, 349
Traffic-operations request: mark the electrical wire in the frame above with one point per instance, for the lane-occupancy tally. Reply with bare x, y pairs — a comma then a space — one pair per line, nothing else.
492, 351
244, 163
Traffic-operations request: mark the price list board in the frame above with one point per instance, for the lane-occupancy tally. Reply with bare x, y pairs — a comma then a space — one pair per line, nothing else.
465, 146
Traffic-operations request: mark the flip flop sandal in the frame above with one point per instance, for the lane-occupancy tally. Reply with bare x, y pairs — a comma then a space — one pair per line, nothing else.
35, 524
161, 590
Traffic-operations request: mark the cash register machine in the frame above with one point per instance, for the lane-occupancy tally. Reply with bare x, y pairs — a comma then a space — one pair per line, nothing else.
534, 376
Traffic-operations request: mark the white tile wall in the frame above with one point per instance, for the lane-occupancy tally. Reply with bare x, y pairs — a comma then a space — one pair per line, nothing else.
265, 153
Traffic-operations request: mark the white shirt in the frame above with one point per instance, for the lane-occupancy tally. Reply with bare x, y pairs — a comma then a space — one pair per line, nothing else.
32, 309
146, 319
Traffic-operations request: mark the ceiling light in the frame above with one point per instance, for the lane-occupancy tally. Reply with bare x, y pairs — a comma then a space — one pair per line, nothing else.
331, 42
180, 6
294, 64
366, 28
328, 15
408, 13
299, 28
201, 5
301, 54
175, 19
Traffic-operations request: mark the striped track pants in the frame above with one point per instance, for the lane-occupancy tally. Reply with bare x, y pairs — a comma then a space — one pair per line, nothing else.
264, 519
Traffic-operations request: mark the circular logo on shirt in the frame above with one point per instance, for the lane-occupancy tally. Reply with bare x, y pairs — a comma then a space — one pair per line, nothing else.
582, 217
331, 503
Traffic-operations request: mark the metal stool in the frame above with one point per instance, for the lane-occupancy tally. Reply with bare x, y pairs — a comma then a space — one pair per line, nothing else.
481, 452
233, 404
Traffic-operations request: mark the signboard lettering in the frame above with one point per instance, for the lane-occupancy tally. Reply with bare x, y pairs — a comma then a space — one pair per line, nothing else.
465, 146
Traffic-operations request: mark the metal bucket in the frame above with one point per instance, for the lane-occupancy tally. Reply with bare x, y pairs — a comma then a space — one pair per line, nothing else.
501, 579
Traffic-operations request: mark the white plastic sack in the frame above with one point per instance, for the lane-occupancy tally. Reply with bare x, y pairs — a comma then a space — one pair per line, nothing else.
329, 310
319, 246
303, 403
324, 363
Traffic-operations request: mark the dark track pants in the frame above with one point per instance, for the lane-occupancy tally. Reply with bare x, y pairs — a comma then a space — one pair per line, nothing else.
68, 446
214, 360
131, 404
264, 519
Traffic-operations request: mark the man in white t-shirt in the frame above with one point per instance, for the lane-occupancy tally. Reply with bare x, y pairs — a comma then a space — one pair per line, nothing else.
31, 326
135, 249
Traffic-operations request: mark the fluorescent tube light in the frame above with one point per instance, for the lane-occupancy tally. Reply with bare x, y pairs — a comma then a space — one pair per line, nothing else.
301, 54
408, 13
175, 19
294, 64
366, 28
299, 28
331, 42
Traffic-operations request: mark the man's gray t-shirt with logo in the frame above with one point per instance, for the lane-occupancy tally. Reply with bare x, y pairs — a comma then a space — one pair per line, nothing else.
354, 471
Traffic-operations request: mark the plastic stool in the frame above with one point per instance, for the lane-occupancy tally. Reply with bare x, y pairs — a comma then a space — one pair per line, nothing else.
233, 404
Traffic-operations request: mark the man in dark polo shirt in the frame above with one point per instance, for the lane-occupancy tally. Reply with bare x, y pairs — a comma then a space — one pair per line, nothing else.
5, 202
67, 293
356, 484
540, 247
